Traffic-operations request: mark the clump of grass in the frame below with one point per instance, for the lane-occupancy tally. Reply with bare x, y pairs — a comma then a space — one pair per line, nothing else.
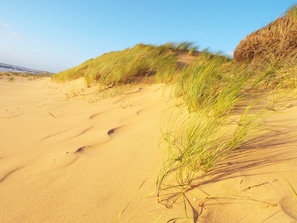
216, 93
211, 89
186, 47
205, 85
274, 75
201, 141
277, 39
129, 65
137, 64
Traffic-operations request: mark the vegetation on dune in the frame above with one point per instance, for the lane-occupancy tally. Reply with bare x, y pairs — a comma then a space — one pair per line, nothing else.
276, 41
126, 66
210, 89
213, 91
214, 88
207, 84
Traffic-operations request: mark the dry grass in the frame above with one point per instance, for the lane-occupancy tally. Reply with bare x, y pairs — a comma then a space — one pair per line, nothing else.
275, 42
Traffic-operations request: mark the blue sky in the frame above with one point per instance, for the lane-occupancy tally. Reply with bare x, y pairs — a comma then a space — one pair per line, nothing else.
55, 35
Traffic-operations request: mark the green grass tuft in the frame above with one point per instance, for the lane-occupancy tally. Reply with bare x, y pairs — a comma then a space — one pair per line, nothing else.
126, 66
215, 94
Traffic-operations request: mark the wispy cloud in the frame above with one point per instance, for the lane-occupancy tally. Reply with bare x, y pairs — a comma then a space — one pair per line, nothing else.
15, 35
8, 32
3, 24
200, 35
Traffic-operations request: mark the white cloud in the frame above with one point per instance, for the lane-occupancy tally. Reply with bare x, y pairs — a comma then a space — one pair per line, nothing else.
3, 24
8, 32
15, 35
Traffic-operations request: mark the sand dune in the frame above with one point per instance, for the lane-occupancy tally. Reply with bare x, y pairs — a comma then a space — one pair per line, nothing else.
86, 159
66, 160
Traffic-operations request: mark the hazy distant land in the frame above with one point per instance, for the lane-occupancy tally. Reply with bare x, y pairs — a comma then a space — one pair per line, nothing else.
12, 68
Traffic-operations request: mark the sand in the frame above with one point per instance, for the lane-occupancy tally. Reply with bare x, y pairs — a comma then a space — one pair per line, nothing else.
67, 155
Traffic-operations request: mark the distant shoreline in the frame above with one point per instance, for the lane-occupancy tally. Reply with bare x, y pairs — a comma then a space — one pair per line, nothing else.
17, 69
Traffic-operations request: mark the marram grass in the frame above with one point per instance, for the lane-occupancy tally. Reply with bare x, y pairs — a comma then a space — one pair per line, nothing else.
216, 92
126, 66
211, 89
206, 85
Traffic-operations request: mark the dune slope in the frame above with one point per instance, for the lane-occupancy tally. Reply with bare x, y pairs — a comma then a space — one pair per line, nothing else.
65, 159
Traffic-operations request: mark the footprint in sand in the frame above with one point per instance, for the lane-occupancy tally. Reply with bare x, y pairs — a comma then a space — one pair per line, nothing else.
113, 131
94, 116
80, 150
5, 175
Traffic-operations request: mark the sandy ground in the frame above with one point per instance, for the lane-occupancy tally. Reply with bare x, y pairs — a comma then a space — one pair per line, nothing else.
65, 157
